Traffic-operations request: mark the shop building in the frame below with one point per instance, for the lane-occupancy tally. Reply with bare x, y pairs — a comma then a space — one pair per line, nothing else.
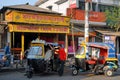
26, 23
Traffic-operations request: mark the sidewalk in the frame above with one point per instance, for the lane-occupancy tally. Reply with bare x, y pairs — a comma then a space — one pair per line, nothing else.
13, 67
70, 61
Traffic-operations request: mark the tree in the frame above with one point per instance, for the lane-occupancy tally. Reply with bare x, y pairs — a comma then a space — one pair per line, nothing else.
113, 18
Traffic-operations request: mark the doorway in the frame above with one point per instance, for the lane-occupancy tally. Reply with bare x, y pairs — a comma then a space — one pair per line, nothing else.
118, 49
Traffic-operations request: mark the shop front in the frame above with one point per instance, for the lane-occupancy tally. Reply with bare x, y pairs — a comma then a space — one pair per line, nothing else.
26, 26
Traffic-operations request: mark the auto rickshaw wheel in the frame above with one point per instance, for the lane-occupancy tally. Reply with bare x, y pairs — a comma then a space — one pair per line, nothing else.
108, 72
29, 74
96, 72
74, 72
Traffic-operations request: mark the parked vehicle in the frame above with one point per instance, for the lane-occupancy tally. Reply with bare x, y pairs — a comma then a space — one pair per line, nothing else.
15, 61
40, 59
96, 57
4, 59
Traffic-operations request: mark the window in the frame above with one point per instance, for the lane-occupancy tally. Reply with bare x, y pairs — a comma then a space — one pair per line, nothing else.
35, 50
81, 5
94, 6
49, 7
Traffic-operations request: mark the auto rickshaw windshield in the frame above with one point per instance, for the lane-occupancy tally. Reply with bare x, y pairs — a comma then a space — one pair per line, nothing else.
35, 50
80, 51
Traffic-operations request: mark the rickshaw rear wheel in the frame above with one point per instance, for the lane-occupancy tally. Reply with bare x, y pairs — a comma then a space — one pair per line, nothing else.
108, 72
74, 72
29, 74
96, 72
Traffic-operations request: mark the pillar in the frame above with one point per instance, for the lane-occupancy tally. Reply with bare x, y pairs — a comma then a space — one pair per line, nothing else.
22, 43
66, 43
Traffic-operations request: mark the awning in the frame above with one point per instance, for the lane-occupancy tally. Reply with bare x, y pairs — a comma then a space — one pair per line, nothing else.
90, 22
112, 33
80, 32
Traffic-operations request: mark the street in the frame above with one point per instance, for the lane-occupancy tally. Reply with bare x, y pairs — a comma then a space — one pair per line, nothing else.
19, 75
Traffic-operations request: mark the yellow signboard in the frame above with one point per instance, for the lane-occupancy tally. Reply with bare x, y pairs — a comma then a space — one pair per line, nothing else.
38, 29
22, 17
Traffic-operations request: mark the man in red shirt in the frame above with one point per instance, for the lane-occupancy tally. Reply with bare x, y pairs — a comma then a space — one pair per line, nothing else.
62, 58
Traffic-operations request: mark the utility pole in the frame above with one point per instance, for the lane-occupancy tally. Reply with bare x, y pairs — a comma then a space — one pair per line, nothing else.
86, 33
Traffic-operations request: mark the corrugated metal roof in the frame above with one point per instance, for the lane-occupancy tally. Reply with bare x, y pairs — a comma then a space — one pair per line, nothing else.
30, 8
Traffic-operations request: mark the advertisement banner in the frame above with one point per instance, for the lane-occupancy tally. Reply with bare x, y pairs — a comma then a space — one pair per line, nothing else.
22, 17
109, 39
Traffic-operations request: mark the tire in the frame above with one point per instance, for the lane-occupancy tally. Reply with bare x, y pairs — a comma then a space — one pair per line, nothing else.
74, 72
108, 73
29, 74
96, 72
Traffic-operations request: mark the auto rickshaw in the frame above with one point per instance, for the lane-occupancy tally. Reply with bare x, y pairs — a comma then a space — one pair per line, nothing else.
95, 57
39, 59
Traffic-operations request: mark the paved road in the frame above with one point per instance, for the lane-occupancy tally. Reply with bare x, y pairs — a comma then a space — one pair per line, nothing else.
19, 75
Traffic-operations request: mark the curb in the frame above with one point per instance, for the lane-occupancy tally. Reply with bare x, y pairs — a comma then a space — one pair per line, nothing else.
10, 69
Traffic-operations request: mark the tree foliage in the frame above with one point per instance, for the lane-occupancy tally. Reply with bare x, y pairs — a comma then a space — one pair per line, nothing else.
113, 18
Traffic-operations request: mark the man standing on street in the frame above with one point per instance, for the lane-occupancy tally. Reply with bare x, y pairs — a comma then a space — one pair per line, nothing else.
62, 58
7, 53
